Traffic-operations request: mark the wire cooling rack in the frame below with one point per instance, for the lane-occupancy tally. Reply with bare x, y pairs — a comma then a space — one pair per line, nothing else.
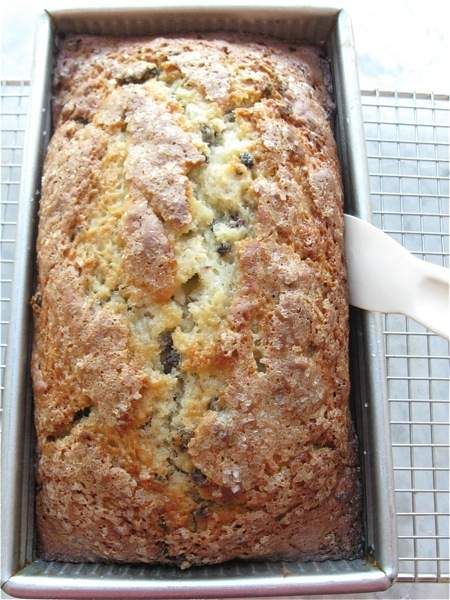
407, 138
408, 147
14, 105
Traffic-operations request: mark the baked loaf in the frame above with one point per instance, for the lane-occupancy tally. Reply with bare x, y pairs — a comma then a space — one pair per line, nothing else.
190, 359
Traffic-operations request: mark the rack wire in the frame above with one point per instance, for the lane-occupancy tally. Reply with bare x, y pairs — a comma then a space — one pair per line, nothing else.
14, 105
408, 151
408, 148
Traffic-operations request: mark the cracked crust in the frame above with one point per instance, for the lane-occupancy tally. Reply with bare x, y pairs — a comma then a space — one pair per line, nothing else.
190, 361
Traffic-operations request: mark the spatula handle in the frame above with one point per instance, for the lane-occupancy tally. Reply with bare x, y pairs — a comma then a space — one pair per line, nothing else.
384, 277
430, 301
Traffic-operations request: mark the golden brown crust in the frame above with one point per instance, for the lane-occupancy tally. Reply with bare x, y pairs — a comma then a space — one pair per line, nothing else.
190, 353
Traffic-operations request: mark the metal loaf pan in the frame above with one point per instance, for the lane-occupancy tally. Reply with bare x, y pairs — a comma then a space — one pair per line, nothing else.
23, 574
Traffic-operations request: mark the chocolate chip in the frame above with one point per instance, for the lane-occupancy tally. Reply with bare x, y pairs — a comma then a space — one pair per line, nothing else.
81, 120
201, 512
146, 423
246, 159
82, 413
223, 248
267, 91
169, 357
214, 403
183, 438
162, 523
208, 134
140, 76
236, 220
198, 477
230, 117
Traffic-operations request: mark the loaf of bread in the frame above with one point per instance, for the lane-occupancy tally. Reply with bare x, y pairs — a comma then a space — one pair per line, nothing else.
190, 359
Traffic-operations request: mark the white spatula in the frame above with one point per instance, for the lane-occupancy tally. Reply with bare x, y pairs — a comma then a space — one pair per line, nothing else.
384, 277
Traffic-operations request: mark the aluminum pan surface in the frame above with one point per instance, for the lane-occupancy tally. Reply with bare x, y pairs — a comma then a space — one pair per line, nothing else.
251, 579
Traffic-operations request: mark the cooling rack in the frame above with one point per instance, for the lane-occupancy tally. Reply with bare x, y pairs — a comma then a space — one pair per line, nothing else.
407, 138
